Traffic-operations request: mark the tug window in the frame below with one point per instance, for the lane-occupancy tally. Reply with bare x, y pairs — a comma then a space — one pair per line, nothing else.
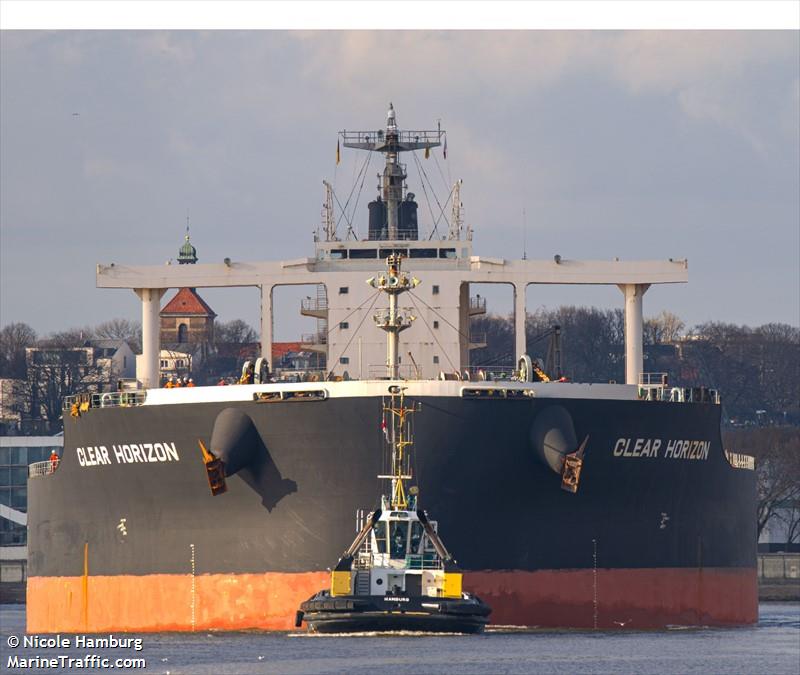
416, 537
398, 538
380, 535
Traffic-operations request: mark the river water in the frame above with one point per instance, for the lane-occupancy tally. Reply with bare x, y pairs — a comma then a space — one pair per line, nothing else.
772, 646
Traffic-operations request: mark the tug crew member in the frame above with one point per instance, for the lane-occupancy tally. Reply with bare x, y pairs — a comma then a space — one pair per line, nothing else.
170, 384
53, 460
190, 383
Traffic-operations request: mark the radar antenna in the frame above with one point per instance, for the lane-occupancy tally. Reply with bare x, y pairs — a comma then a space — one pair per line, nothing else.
391, 142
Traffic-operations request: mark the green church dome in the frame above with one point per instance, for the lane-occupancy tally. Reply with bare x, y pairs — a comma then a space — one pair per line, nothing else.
188, 253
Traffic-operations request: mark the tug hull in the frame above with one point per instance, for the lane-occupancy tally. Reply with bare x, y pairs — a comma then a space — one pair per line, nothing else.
350, 614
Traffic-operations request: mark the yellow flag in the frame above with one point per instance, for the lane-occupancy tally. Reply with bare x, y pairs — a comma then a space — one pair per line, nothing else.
338, 152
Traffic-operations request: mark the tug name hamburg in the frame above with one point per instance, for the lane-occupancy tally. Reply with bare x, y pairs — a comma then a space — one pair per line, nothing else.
672, 449
127, 453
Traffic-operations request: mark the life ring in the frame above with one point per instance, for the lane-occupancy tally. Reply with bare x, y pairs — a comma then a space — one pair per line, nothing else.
525, 368
105, 400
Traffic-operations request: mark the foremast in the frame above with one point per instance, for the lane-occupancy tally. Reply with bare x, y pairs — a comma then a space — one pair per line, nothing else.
393, 321
400, 440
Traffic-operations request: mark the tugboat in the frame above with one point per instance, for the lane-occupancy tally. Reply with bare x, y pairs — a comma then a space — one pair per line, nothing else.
397, 574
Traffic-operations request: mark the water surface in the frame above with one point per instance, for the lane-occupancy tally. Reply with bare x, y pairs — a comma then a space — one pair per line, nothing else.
772, 646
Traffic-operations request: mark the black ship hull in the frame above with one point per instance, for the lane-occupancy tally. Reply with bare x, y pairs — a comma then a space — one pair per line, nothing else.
131, 538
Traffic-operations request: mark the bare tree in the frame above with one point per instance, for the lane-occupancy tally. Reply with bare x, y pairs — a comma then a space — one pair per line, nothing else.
61, 365
777, 453
121, 329
663, 329
234, 332
73, 337
593, 343
14, 338
790, 517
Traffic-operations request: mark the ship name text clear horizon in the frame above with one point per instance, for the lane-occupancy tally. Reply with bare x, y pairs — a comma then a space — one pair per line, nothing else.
673, 448
127, 453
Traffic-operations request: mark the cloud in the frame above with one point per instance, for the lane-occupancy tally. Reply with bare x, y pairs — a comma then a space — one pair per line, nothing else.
705, 73
617, 143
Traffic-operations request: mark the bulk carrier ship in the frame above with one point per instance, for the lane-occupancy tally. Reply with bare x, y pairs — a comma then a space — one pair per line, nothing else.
587, 505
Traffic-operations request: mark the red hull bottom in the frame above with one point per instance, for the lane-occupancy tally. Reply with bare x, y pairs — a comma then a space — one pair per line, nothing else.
606, 598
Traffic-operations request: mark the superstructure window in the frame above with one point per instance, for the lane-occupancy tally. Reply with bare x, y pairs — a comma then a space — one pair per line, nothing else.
356, 253
398, 538
380, 535
447, 253
344, 325
343, 290
436, 359
435, 289
339, 254
435, 324
423, 252
344, 359
416, 537
386, 252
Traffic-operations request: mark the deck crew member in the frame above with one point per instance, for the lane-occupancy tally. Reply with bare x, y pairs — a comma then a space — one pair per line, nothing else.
53, 460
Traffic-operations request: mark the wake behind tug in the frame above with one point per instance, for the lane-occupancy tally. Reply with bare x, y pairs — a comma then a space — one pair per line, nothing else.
397, 574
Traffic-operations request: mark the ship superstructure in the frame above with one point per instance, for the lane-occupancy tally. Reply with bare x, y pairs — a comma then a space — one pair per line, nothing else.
440, 341
641, 516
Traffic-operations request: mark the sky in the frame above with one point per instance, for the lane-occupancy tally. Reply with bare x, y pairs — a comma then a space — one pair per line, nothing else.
629, 144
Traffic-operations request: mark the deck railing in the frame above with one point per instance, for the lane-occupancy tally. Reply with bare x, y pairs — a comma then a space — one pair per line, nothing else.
740, 461
779, 567
43, 468
110, 399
